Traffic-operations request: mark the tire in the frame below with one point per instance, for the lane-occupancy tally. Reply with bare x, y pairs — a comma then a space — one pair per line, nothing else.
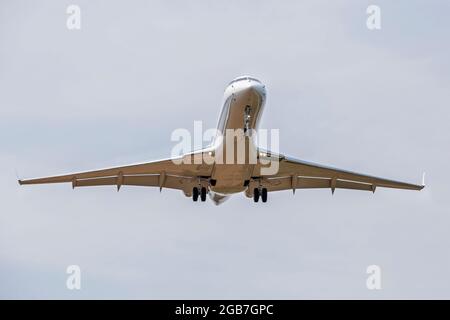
203, 194
195, 194
264, 195
256, 195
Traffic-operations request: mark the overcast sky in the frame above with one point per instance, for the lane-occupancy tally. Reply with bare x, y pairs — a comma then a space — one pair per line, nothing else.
111, 93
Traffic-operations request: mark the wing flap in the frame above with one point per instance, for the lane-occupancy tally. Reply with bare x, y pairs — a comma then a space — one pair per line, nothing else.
143, 180
107, 181
156, 180
285, 183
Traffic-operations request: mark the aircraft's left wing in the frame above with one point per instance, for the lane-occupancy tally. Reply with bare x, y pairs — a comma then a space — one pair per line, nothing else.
298, 174
168, 173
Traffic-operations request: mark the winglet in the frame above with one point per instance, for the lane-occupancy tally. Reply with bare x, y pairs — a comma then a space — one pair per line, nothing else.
17, 177
423, 179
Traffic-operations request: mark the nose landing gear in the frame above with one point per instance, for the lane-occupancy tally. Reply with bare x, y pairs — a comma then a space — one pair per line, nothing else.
247, 119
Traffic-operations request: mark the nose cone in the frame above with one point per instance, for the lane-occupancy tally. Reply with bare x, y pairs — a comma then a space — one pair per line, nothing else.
246, 85
255, 87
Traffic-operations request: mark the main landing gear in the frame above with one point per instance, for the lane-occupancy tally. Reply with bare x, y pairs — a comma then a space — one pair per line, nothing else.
257, 193
199, 192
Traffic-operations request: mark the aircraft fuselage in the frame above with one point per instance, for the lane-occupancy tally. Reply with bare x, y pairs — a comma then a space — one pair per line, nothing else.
244, 100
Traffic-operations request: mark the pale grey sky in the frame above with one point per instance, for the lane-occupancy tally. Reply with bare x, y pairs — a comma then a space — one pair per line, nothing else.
111, 93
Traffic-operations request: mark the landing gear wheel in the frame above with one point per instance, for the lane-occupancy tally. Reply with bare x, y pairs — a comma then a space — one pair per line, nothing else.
264, 195
203, 194
195, 194
256, 195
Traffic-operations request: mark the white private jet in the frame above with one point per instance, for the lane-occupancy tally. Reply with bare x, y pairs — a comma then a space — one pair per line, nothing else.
244, 100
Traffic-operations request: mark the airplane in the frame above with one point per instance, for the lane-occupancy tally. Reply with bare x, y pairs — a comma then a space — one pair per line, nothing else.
244, 101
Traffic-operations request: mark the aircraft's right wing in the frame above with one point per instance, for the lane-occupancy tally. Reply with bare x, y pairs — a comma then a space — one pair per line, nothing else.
168, 173
298, 174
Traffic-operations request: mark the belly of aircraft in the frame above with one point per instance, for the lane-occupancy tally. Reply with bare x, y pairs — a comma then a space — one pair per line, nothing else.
230, 178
